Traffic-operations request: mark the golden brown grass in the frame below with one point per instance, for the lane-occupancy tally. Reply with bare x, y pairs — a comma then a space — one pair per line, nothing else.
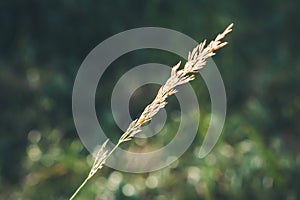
197, 59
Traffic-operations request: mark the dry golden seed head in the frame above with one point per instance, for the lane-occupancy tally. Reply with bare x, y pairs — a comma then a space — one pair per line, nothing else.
175, 68
101, 151
196, 60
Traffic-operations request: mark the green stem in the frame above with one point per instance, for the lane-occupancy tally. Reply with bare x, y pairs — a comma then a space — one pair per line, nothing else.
79, 188
86, 180
109, 154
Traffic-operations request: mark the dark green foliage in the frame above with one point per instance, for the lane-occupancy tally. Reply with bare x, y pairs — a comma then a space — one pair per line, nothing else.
42, 44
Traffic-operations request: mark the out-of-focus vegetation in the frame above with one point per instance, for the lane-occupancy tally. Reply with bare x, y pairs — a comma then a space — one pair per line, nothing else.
42, 45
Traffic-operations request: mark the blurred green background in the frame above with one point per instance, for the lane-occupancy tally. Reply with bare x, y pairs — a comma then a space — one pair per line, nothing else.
42, 45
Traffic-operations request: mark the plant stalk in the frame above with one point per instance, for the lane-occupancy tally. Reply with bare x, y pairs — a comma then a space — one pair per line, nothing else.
79, 188
89, 177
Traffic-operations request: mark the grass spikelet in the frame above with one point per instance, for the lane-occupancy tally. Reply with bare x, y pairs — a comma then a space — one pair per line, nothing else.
197, 59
